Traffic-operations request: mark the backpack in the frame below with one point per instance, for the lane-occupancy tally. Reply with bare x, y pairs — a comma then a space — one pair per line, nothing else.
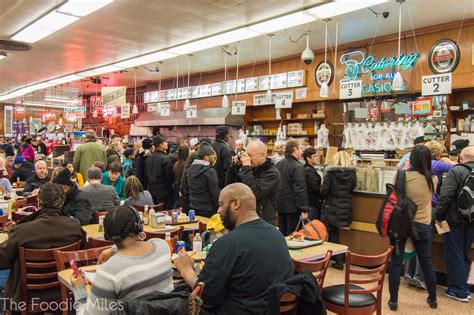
314, 229
397, 212
465, 201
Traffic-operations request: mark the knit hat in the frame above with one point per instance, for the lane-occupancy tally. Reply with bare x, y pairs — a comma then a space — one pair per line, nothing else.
128, 152
193, 141
157, 140
19, 160
147, 143
419, 140
63, 178
457, 146
239, 141
205, 149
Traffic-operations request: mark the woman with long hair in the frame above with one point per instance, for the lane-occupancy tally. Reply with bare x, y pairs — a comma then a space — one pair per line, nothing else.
135, 194
420, 186
75, 177
138, 267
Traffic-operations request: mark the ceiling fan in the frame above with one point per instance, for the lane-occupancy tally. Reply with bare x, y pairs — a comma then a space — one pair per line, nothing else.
95, 79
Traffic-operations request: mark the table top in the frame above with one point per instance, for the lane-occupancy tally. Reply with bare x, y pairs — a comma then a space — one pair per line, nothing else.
92, 230
64, 276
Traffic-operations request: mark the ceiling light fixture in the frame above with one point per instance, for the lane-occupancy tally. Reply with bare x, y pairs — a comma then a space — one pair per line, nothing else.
397, 83
268, 96
187, 103
37, 104
324, 90
282, 22
60, 100
3, 55
225, 99
65, 79
82, 8
340, 7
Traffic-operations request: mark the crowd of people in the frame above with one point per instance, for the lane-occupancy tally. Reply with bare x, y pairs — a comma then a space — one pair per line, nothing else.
251, 192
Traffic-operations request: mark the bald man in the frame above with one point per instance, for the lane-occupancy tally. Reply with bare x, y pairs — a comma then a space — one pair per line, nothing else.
457, 242
36, 181
256, 170
243, 263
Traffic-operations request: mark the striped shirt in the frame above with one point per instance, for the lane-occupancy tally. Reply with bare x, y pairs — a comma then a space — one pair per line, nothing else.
127, 277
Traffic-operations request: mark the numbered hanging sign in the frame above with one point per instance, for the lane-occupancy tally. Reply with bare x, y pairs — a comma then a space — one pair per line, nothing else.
191, 112
165, 109
437, 84
350, 89
283, 100
238, 107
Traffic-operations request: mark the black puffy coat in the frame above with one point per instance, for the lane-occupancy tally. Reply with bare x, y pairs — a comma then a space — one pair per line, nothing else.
265, 184
77, 206
313, 182
293, 193
159, 178
139, 166
336, 191
25, 171
224, 160
452, 185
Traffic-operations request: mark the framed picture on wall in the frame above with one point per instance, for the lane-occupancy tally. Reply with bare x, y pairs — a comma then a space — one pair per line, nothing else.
423, 106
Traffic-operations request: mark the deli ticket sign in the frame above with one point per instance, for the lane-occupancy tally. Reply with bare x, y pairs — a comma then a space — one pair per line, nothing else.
114, 95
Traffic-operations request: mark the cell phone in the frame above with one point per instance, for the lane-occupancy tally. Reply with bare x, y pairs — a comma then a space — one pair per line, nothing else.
74, 267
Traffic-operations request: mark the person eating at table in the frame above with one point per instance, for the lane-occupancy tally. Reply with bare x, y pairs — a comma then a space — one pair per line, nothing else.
114, 178
136, 268
243, 263
43, 229
23, 169
100, 196
36, 181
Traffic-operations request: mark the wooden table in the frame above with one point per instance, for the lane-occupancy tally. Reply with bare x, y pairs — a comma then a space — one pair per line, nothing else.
64, 276
317, 252
92, 230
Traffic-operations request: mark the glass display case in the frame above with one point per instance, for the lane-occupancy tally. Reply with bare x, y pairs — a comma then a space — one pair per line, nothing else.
372, 179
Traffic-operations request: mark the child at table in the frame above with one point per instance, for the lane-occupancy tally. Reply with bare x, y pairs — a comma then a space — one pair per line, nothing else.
135, 268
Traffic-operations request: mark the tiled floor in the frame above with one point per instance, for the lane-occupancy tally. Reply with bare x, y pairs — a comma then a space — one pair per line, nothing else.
411, 300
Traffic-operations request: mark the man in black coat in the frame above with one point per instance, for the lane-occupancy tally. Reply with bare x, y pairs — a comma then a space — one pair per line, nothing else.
457, 243
313, 182
35, 182
255, 170
159, 176
293, 201
139, 163
23, 169
224, 154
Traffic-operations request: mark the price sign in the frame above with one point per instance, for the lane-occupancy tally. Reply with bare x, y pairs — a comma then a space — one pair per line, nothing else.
217, 89
125, 111
241, 86
438, 84
350, 89
251, 84
191, 112
165, 109
283, 100
238, 107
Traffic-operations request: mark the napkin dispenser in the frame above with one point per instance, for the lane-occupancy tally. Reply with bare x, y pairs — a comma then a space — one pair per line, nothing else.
158, 220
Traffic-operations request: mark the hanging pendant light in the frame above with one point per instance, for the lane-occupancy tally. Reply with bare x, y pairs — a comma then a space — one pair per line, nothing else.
225, 99
158, 106
187, 103
135, 107
269, 96
397, 83
324, 90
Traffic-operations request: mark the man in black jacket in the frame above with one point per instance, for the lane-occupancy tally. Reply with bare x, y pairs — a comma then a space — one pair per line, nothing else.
23, 169
224, 154
255, 170
313, 182
293, 200
457, 242
159, 176
139, 163
35, 182
200, 185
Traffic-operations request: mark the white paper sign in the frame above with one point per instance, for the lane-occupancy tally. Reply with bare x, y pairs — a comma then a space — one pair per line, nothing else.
238, 107
114, 95
260, 99
301, 93
350, 89
251, 84
437, 84
125, 111
283, 100
191, 112
165, 109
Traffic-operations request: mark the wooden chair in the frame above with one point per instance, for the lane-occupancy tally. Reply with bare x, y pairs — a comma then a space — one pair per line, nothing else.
19, 215
38, 273
175, 233
318, 268
155, 207
289, 303
22, 205
350, 298
195, 301
32, 201
82, 257
3, 222
93, 242
202, 227
98, 214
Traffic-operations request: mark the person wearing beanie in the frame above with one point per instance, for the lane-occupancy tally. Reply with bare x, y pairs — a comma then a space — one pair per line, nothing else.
159, 176
76, 204
127, 163
139, 163
88, 153
224, 154
23, 169
200, 184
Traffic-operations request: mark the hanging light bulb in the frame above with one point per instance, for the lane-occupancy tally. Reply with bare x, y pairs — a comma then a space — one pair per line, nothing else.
187, 103
324, 90
158, 106
268, 96
225, 99
397, 83
135, 109
114, 111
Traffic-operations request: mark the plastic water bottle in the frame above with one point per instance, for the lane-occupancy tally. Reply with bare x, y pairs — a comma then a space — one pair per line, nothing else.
197, 243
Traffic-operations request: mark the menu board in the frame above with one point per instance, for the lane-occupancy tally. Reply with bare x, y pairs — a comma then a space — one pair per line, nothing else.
195, 90
162, 96
264, 83
230, 86
296, 78
278, 81
185, 93
180, 93
206, 90
241, 86
217, 89
146, 97
251, 84
171, 94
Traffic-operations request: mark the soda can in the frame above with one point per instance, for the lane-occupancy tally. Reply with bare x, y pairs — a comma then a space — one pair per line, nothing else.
180, 245
192, 215
174, 216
